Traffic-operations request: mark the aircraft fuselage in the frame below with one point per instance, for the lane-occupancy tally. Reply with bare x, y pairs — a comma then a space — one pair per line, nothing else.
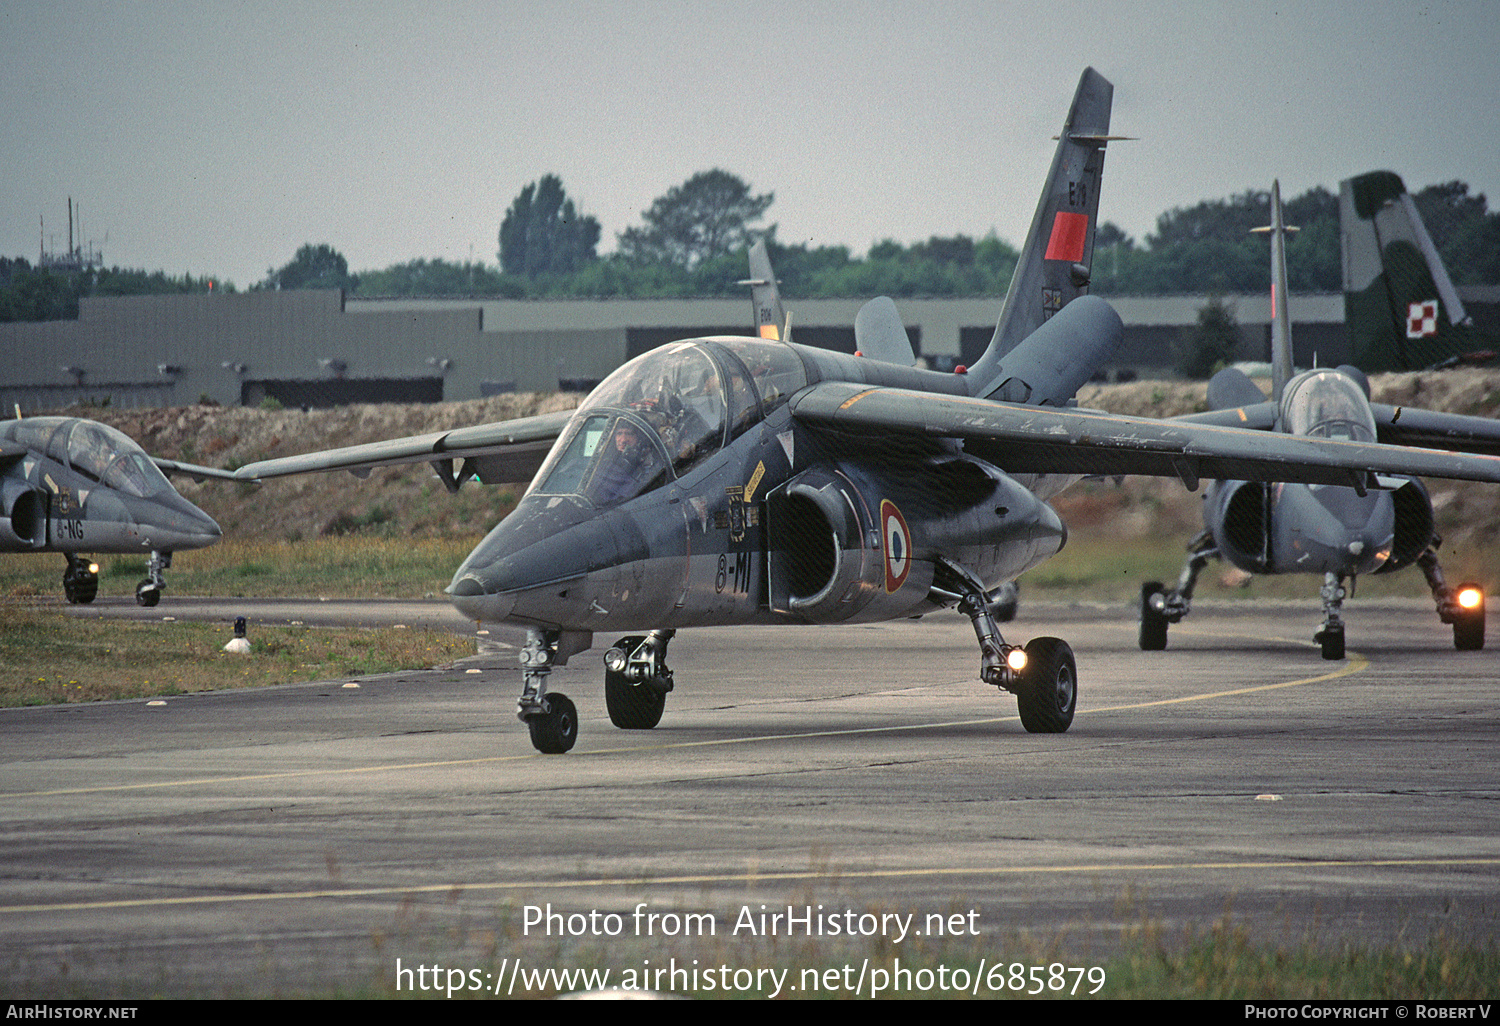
773, 522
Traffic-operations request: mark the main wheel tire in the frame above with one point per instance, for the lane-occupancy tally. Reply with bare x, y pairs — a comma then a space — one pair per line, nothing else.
633, 706
147, 594
555, 731
1049, 687
80, 589
1153, 626
1332, 642
1468, 626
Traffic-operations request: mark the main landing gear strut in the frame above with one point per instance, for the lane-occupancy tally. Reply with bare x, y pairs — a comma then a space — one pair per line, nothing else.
1160, 607
1043, 675
1463, 606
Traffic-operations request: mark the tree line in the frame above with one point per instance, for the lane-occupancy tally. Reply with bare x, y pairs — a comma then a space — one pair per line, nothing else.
692, 241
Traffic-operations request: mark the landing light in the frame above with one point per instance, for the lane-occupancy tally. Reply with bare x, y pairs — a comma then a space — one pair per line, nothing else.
1470, 598
1016, 659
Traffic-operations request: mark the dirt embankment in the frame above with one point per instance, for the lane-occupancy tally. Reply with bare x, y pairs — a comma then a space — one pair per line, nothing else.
410, 501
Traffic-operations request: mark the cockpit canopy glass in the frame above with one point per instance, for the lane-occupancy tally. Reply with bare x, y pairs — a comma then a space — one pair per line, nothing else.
663, 414
95, 450
1327, 404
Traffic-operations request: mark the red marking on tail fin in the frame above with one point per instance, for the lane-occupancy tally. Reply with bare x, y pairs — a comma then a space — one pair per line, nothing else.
1069, 231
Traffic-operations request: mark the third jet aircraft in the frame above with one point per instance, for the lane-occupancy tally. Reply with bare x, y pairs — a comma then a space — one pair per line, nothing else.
1335, 531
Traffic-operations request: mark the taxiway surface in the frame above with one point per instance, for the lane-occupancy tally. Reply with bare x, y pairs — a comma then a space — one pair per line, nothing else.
302, 839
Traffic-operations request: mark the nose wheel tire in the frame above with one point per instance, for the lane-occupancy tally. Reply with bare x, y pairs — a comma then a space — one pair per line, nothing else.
1048, 692
554, 731
1331, 640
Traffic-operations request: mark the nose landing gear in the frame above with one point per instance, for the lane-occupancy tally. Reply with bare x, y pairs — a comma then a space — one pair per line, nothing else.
148, 592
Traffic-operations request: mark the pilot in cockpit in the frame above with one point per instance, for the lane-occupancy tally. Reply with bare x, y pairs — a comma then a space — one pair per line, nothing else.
627, 465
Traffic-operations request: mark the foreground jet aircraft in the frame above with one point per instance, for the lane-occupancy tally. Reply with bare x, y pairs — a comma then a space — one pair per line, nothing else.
720, 481
1339, 532
1400, 306
70, 485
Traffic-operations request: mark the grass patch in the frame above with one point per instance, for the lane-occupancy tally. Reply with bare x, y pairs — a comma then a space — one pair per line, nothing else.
352, 566
49, 657
1092, 566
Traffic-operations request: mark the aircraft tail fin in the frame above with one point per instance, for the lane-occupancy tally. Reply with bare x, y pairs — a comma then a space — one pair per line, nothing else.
1281, 320
1400, 306
1054, 265
771, 319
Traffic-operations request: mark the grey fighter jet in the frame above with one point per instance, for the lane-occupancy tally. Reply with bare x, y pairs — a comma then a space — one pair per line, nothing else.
1337, 531
738, 481
77, 486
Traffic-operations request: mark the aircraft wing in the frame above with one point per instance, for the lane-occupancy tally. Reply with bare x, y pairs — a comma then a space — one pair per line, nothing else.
193, 470
1044, 440
1396, 425
1403, 425
504, 451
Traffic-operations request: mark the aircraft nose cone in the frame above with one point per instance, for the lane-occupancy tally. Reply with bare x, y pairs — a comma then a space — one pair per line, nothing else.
527, 566
173, 522
466, 587
470, 598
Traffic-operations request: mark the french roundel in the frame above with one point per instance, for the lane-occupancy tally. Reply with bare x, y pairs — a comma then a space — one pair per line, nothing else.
897, 545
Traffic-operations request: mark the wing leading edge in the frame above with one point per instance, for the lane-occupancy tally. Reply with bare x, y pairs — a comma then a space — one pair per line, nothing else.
504, 451
1035, 440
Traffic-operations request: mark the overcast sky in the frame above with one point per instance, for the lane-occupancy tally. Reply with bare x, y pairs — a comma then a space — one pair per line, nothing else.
216, 137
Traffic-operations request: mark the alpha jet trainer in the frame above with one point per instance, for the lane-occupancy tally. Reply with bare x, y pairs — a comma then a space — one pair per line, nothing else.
1333, 530
77, 486
730, 481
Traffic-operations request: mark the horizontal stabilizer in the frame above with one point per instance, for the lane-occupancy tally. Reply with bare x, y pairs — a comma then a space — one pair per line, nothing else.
880, 335
1232, 387
1053, 362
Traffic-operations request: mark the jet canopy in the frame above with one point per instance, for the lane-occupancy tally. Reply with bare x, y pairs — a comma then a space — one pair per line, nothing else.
1327, 404
665, 413
94, 450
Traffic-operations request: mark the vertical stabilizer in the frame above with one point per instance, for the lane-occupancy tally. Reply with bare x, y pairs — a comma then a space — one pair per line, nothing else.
1400, 307
1054, 266
770, 316
1281, 319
